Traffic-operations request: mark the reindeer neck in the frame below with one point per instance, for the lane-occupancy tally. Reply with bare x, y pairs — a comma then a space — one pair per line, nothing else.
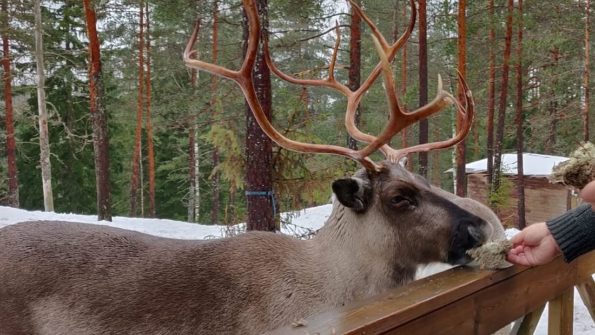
355, 270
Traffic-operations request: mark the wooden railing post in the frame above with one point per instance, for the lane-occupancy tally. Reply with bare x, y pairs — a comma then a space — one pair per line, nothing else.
560, 313
587, 293
528, 324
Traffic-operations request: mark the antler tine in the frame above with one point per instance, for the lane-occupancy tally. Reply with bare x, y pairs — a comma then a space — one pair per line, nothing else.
396, 113
200, 65
329, 82
243, 78
467, 112
397, 118
394, 47
387, 53
354, 97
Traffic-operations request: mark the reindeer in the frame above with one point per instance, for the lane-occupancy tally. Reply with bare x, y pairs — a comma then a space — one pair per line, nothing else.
70, 278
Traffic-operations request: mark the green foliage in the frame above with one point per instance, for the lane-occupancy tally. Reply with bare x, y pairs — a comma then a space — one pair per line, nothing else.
500, 198
172, 174
231, 168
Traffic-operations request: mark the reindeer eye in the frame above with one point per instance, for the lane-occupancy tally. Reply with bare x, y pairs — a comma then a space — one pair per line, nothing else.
401, 202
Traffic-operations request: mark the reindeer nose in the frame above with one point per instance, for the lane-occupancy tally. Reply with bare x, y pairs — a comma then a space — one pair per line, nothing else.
477, 233
475, 227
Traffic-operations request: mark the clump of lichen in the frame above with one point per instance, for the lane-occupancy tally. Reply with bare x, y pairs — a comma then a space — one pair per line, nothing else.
579, 170
491, 255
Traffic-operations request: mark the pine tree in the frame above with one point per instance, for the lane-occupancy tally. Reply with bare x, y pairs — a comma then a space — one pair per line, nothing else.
423, 83
13, 184
259, 183
98, 117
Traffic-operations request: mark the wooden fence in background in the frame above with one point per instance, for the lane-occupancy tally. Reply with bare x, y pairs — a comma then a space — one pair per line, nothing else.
467, 301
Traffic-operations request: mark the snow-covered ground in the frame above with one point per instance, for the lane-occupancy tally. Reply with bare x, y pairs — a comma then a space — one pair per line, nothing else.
301, 223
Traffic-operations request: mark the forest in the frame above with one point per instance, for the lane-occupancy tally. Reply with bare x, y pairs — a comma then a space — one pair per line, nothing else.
100, 115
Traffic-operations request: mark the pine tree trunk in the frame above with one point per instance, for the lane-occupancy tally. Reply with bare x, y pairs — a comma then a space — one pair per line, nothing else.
259, 175
423, 84
216, 180
134, 183
11, 148
587, 71
148, 122
355, 61
99, 118
519, 121
503, 98
460, 176
44, 141
491, 95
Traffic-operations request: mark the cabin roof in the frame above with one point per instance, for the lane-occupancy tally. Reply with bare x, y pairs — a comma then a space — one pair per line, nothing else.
536, 165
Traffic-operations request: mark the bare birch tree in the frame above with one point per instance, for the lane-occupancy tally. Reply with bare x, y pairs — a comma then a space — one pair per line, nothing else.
193, 155
355, 61
44, 141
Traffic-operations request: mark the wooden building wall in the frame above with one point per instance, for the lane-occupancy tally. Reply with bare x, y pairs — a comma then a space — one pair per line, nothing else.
543, 200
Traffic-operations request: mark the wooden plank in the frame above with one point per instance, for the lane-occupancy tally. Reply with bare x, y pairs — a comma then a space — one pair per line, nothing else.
528, 324
501, 303
453, 319
461, 298
560, 313
403, 304
587, 292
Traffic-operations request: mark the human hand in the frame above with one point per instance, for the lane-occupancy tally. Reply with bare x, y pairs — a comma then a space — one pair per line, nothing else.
588, 193
534, 245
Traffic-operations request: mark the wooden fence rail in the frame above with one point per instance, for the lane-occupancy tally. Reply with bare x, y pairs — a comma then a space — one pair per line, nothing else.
467, 301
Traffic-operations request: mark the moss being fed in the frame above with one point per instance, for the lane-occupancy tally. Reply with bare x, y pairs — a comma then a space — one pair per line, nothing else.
491, 255
579, 170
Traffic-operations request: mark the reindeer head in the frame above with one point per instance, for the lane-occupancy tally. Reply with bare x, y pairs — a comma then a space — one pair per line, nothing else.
408, 202
403, 207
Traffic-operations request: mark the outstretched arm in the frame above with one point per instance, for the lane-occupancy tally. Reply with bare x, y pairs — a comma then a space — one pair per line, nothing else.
572, 234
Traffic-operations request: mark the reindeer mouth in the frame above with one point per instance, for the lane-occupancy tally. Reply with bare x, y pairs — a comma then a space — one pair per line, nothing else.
466, 235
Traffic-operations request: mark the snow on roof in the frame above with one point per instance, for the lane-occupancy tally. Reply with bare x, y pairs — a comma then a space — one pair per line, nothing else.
533, 164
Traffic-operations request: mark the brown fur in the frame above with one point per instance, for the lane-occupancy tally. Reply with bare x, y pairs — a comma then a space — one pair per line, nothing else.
70, 278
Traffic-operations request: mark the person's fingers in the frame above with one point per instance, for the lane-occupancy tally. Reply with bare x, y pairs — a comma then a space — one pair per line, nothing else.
516, 249
519, 258
518, 238
588, 193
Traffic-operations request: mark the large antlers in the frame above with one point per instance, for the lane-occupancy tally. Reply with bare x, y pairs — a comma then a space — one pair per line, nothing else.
398, 120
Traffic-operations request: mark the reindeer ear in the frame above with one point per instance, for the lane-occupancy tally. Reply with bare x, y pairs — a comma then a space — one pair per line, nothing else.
352, 192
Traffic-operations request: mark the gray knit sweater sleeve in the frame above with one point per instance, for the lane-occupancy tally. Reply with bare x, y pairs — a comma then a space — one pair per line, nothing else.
574, 231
